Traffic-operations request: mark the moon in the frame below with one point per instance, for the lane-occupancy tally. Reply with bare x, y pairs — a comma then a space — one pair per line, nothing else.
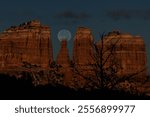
64, 35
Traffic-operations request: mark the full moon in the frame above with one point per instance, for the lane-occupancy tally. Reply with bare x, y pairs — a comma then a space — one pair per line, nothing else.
64, 35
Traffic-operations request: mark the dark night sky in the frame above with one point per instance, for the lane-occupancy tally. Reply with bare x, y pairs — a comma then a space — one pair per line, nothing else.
131, 16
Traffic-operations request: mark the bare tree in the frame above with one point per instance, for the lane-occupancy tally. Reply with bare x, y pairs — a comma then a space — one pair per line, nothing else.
106, 65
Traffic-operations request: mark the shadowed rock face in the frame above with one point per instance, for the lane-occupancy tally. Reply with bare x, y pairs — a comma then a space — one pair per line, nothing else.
29, 42
130, 53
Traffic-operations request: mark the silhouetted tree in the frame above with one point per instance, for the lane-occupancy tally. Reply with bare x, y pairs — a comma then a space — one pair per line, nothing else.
106, 65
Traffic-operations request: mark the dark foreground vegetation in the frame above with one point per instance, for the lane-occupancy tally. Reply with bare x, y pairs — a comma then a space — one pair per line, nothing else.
12, 88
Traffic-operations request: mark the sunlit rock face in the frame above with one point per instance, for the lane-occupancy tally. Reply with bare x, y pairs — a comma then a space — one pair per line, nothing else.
64, 61
63, 55
83, 53
82, 49
129, 54
29, 42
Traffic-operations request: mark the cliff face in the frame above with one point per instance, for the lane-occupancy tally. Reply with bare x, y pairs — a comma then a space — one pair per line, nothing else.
83, 53
129, 54
64, 61
83, 50
63, 55
29, 42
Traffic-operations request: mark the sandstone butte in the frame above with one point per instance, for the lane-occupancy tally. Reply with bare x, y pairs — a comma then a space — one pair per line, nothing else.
83, 54
63, 55
83, 50
64, 61
130, 53
31, 43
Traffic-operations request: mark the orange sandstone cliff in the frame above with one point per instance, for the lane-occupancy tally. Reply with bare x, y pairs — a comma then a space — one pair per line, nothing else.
29, 42
129, 54
82, 49
64, 61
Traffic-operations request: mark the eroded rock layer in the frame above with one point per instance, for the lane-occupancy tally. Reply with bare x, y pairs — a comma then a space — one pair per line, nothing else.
129, 54
29, 43
83, 53
63, 55
64, 61
83, 50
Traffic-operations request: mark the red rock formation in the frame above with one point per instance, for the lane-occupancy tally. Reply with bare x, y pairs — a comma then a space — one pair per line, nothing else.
130, 53
30, 42
64, 61
83, 50
83, 54
63, 55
